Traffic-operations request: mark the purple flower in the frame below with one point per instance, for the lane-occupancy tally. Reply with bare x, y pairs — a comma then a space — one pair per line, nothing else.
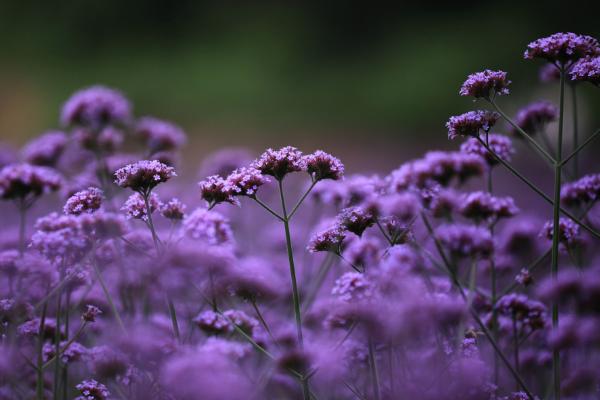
329, 239
499, 144
466, 240
485, 84
279, 163
483, 206
73, 353
92, 390
245, 182
105, 140
215, 190
95, 107
364, 252
173, 209
568, 232
90, 313
535, 116
135, 206
45, 149
531, 313
213, 323
22, 181
524, 278
583, 191
471, 123
208, 226
159, 135
353, 287
355, 220
562, 47
321, 165
85, 201
144, 175
587, 69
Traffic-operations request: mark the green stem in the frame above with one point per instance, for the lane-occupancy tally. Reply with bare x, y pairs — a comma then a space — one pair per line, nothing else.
579, 148
556, 229
262, 319
374, 372
299, 203
173, 315
145, 196
266, 207
108, 296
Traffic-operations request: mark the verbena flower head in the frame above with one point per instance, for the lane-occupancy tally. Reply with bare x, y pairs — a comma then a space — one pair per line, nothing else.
279, 163
587, 70
215, 190
329, 239
159, 135
213, 323
471, 123
73, 353
483, 206
95, 107
535, 116
90, 313
45, 149
144, 175
85, 201
173, 209
20, 181
245, 182
208, 226
531, 313
485, 84
466, 240
321, 165
585, 190
562, 47
355, 220
568, 232
500, 144
135, 206
105, 140
92, 390
352, 287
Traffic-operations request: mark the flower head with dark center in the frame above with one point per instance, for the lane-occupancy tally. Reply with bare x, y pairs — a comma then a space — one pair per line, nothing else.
321, 165
45, 149
279, 163
483, 206
95, 107
159, 135
535, 116
355, 220
499, 144
329, 239
135, 206
215, 190
92, 390
21, 181
85, 201
173, 209
244, 182
144, 175
585, 190
485, 84
466, 240
587, 70
471, 123
562, 47
568, 232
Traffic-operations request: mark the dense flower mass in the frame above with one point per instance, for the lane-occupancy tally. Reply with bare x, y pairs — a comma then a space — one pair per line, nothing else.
439, 281
471, 123
95, 107
535, 116
563, 47
587, 69
485, 84
143, 175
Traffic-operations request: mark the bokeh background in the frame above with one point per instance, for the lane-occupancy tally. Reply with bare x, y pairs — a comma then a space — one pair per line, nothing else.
370, 82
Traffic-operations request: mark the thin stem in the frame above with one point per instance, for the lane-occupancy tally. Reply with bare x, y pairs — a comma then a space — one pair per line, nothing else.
66, 347
173, 315
261, 318
522, 132
532, 267
299, 203
266, 207
145, 195
579, 148
575, 130
374, 372
556, 229
537, 190
39, 387
108, 296
516, 344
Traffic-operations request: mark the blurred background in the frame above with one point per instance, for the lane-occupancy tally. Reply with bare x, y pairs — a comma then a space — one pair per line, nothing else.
370, 82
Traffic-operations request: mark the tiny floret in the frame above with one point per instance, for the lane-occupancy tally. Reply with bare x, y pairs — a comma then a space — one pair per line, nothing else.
90, 313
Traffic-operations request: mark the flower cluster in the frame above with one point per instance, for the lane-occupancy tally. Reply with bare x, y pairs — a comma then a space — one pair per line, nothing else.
95, 107
585, 190
85, 201
159, 135
535, 116
21, 181
562, 47
485, 84
45, 149
500, 145
279, 163
144, 175
471, 123
587, 69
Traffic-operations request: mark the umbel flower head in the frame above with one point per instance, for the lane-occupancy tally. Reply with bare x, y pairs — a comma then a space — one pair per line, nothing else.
25, 181
144, 175
583, 191
279, 163
535, 116
173, 210
92, 390
471, 123
321, 165
244, 182
159, 135
587, 69
85, 201
499, 144
96, 107
135, 206
485, 84
466, 240
215, 190
45, 149
562, 47
568, 232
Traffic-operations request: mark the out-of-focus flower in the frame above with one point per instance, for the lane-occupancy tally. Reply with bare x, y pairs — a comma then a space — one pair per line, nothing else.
524, 278
96, 107
568, 232
499, 144
173, 209
143, 175
587, 69
208, 226
68, 354
355, 220
530, 313
213, 323
321, 165
549, 73
106, 140
92, 390
471, 123
353, 286
21, 181
90, 313
535, 116
466, 240
159, 135
135, 206
85, 201
279, 163
562, 47
45, 149
329, 239
224, 162
585, 190
483, 206
485, 84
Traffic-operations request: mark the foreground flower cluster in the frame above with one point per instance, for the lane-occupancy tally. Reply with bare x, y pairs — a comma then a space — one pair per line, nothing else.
281, 277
